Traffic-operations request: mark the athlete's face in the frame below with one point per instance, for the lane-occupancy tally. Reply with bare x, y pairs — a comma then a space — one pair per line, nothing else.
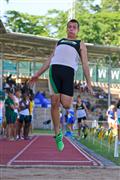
72, 29
78, 100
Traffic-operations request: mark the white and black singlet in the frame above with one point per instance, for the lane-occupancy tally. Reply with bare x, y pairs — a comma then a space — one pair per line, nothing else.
63, 64
80, 112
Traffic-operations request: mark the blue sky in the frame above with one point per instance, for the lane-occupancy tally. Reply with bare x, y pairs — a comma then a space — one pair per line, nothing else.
35, 7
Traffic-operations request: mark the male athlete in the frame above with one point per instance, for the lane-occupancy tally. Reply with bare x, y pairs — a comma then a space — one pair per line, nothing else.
62, 65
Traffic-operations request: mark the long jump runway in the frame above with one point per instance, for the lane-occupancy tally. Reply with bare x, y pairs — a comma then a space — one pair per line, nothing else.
41, 151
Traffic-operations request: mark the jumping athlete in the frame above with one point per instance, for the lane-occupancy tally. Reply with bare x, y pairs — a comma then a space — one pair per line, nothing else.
62, 65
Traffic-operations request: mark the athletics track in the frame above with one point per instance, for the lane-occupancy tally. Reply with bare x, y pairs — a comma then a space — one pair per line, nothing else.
41, 151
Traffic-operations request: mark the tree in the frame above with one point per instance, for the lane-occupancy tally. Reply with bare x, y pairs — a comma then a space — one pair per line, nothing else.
24, 23
110, 5
56, 21
100, 28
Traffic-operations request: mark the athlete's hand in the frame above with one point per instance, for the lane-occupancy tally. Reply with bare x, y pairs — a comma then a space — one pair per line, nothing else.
33, 80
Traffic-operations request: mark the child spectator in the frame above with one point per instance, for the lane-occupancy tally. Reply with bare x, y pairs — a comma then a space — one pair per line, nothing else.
10, 115
24, 115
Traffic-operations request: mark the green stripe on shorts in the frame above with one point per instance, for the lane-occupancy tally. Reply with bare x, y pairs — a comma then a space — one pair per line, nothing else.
51, 81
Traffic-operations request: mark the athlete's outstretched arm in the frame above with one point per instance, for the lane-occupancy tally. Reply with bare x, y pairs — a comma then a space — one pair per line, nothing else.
41, 70
84, 60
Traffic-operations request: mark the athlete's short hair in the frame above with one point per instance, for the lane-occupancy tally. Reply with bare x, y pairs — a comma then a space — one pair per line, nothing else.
74, 21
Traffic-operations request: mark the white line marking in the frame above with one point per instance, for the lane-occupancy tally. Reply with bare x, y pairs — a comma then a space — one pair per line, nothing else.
80, 150
39, 161
22, 151
50, 161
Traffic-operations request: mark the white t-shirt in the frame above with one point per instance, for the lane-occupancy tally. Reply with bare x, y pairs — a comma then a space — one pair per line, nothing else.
80, 111
16, 100
25, 112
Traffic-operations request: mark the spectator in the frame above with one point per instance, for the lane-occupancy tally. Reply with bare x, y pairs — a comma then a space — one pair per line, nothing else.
70, 119
118, 120
111, 116
17, 97
100, 118
24, 116
10, 115
31, 106
81, 115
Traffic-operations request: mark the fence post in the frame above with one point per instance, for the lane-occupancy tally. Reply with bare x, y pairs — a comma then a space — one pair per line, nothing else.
116, 147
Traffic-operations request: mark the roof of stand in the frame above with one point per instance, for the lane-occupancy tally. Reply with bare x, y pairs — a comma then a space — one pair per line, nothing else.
19, 46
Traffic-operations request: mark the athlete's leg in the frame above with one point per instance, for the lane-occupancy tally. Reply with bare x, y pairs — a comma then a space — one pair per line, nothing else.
79, 127
55, 103
66, 101
84, 123
85, 128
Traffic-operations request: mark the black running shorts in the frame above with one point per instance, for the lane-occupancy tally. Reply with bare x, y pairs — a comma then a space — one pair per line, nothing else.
61, 79
82, 118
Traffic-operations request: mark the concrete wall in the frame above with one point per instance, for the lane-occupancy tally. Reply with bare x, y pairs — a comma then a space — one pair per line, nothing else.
41, 115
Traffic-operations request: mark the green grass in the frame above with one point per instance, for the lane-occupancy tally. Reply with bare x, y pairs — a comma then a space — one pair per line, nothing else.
101, 148
42, 131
